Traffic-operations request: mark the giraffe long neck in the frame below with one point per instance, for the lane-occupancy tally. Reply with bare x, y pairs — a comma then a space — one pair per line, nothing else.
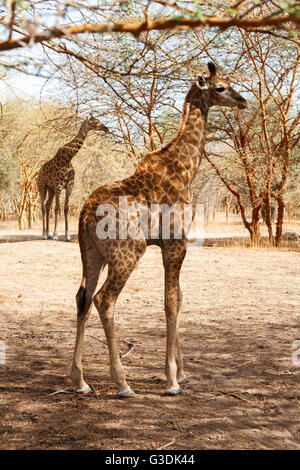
72, 147
189, 148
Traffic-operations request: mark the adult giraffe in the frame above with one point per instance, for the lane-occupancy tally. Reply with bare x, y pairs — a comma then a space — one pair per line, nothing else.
58, 174
162, 177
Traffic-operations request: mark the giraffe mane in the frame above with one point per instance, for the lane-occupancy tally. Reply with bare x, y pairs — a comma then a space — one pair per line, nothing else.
174, 141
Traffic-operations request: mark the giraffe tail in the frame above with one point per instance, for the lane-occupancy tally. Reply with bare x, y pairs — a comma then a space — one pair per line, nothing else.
81, 294
81, 300
92, 263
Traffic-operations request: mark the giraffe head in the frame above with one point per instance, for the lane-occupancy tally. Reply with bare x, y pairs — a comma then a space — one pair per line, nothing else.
92, 123
218, 91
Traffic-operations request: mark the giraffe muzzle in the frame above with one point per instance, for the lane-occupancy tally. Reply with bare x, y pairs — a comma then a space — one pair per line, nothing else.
243, 104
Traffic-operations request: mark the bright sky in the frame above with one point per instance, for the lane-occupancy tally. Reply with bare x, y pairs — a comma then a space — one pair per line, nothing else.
21, 86
18, 84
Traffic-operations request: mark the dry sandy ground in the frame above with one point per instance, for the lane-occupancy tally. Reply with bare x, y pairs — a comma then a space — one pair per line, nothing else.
238, 324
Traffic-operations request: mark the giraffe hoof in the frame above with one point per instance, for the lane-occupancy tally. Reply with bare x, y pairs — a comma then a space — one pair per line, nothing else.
44, 237
69, 239
183, 380
126, 393
84, 390
54, 237
175, 391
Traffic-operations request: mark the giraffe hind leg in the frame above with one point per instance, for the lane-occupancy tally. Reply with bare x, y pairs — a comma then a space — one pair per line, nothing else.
48, 207
93, 262
119, 270
43, 196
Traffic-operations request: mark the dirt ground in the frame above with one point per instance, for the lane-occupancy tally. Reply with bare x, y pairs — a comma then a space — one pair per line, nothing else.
240, 318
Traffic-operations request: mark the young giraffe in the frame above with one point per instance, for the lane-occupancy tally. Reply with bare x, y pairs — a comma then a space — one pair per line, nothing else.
58, 174
162, 177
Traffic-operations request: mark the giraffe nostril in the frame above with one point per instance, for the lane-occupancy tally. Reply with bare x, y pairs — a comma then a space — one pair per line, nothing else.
243, 103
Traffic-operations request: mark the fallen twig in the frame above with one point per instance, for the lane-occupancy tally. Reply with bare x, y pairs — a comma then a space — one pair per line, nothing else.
66, 390
245, 363
131, 348
167, 445
95, 392
100, 341
103, 342
234, 395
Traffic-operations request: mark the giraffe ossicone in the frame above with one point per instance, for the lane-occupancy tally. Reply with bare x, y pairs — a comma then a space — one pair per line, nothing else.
162, 177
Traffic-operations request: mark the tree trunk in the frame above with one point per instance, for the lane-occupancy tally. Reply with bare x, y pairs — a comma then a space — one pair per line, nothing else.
254, 226
227, 209
206, 214
268, 218
29, 215
255, 235
214, 214
2, 213
21, 218
279, 222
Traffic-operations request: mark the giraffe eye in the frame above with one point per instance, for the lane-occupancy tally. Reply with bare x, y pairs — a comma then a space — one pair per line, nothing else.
219, 89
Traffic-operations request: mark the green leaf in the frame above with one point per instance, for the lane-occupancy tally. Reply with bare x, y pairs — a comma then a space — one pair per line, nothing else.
177, 18
292, 34
233, 11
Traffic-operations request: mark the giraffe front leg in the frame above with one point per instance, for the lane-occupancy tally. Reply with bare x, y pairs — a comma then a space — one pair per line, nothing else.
48, 207
173, 387
56, 212
181, 376
44, 236
66, 211
43, 194
173, 256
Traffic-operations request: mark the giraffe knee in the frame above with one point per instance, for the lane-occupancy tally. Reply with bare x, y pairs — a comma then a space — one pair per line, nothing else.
98, 301
103, 304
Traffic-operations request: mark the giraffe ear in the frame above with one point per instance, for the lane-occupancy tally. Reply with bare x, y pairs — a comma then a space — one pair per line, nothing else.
201, 82
212, 69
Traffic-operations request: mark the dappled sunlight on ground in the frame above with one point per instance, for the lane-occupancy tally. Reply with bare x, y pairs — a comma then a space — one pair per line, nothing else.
238, 324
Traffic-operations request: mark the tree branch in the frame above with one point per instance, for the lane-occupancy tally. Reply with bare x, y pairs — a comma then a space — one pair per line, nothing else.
175, 23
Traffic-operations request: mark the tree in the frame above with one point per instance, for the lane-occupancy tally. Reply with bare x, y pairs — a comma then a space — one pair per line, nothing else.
27, 22
255, 150
30, 135
134, 81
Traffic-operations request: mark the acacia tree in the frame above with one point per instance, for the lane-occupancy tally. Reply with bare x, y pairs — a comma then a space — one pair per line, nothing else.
28, 136
138, 84
133, 88
256, 153
27, 22
129, 79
